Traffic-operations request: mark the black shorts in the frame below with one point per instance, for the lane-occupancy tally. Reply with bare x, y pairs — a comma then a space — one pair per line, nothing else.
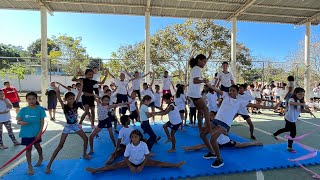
214, 112
225, 89
181, 111
231, 143
52, 104
28, 141
194, 99
133, 115
138, 93
123, 146
96, 91
112, 116
220, 123
80, 105
193, 110
16, 104
135, 165
88, 100
152, 105
245, 117
173, 127
106, 123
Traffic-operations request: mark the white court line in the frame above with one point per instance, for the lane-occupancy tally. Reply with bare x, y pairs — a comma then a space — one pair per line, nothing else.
260, 175
310, 123
24, 157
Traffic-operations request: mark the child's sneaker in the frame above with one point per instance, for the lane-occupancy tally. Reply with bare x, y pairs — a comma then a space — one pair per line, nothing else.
209, 156
292, 150
217, 163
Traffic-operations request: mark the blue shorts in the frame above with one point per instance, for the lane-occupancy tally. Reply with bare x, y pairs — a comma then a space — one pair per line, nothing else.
105, 123
173, 127
28, 141
220, 123
52, 104
71, 128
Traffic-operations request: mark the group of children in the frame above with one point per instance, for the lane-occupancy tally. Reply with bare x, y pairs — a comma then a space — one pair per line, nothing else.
219, 103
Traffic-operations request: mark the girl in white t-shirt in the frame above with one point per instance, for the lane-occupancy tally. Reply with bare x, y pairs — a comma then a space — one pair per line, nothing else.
174, 122
180, 101
133, 107
123, 139
231, 104
296, 105
136, 157
5, 106
225, 78
103, 107
136, 82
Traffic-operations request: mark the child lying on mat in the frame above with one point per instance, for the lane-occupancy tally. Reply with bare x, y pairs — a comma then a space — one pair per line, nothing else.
223, 141
136, 157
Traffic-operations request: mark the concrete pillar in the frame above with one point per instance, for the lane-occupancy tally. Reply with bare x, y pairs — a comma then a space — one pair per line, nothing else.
44, 54
234, 48
147, 45
307, 60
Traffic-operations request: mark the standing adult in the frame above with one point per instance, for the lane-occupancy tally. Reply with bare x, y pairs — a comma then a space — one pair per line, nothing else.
52, 100
11, 93
225, 78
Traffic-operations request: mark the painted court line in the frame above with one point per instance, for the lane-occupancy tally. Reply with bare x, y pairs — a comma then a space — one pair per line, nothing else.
24, 157
260, 175
309, 123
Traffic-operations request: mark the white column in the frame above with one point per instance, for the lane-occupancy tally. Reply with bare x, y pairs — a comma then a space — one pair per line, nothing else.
147, 45
234, 48
44, 53
307, 60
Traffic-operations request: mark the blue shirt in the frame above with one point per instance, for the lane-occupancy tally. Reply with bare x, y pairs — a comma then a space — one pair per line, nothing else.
33, 117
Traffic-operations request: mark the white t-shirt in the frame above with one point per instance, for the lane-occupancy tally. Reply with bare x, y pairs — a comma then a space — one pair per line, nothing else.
113, 98
122, 86
157, 99
136, 84
293, 112
174, 115
229, 108
225, 79
124, 135
290, 84
96, 77
212, 102
3, 107
102, 112
276, 91
136, 154
194, 90
258, 93
76, 92
266, 92
166, 82
213, 81
133, 104
246, 96
223, 139
143, 115
148, 92
282, 94
180, 102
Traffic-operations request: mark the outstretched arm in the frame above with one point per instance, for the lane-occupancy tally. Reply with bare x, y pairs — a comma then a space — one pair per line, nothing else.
161, 113
152, 80
105, 77
214, 88
66, 87
80, 91
59, 96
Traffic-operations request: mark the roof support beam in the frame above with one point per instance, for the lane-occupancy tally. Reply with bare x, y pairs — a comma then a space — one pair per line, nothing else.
242, 9
148, 5
310, 19
46, 5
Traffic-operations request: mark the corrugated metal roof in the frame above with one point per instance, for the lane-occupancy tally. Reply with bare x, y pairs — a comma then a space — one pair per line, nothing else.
271, 11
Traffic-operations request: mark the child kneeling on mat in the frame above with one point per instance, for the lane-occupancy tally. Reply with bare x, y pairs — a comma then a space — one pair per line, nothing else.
31, 119
70, 110
174, 120
136, 157
123, 139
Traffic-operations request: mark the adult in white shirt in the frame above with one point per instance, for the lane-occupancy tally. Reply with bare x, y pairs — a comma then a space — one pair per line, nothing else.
225, 78
96, 77
136, 82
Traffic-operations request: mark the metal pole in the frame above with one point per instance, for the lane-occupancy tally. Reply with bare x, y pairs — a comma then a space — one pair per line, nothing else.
307, 60
147, 45
234, 48
263, 73
44, 54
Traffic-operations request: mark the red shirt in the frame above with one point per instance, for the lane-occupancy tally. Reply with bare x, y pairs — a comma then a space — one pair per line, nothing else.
11, 94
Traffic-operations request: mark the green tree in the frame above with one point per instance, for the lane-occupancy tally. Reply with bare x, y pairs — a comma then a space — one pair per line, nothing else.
173, 46
10, 51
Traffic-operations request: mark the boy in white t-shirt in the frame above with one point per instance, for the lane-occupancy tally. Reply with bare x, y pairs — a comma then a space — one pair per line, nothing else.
5, 106
134, 110
225, 78
123, 139
136, 157
136, 82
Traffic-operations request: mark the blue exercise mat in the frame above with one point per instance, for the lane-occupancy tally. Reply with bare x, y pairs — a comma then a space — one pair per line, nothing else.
236, 160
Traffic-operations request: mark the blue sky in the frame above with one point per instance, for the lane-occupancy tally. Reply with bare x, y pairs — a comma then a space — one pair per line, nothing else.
103, 34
